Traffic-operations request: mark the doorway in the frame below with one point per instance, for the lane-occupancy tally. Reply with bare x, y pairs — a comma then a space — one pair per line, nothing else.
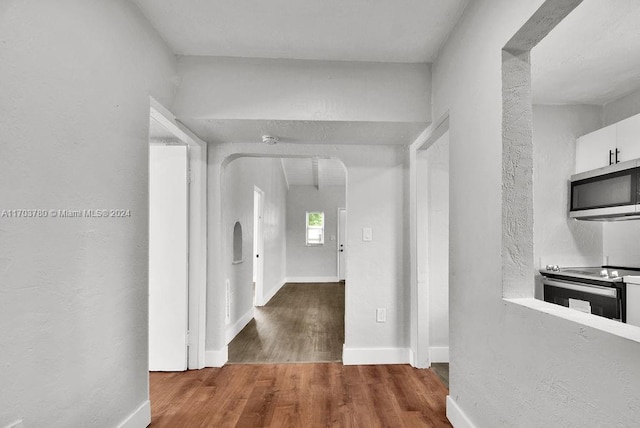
432, 251
177, 244
295, 311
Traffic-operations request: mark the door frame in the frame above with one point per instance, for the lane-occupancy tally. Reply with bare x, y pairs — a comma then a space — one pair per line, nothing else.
419, 322
338, 245
197, 257
258, 244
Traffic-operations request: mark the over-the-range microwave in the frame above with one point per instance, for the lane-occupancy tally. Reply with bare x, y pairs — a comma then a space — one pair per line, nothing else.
606, 194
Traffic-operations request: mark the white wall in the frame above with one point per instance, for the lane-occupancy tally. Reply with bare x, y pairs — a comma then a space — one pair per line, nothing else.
551, 371
254, 88
313, 263
557, 238
240, 177
375, 270
622, 108
75, 80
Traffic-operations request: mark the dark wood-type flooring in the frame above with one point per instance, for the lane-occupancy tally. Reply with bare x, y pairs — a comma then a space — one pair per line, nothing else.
301, 323
298, 395
442, 370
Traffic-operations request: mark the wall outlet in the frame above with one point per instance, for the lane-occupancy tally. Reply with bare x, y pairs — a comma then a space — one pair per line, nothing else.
381, 315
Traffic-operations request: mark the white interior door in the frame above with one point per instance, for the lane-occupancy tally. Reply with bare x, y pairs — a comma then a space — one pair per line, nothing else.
258, 246
342, 243
168, 256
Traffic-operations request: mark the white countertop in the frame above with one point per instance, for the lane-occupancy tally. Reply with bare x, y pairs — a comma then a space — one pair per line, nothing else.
632, 279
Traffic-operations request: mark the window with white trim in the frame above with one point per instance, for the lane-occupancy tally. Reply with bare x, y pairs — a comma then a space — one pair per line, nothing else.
315, 228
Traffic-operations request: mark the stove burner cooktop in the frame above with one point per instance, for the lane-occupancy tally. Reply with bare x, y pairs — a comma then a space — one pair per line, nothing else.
608, 274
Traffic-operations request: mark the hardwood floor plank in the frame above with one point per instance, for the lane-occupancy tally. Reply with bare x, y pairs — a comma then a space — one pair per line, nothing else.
299, 395
301, 323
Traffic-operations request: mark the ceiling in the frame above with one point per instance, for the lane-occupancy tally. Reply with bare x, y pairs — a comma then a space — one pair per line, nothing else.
314, 172
353, 30
591, 57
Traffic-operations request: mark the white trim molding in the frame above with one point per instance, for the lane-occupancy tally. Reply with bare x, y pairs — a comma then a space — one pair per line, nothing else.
312, 279
140, 418
456, 416
439, 354
213, 358
237, 327
361, 356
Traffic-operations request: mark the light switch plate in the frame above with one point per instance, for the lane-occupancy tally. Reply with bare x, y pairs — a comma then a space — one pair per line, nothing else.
381, 315
367, 234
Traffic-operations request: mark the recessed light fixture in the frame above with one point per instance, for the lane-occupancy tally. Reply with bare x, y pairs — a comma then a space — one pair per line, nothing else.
268, 139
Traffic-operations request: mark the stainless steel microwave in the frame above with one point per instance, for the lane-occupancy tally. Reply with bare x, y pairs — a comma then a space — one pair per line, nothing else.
606, 194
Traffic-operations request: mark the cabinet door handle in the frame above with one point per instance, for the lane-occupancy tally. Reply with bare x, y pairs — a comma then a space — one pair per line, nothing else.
617, 153
610, 156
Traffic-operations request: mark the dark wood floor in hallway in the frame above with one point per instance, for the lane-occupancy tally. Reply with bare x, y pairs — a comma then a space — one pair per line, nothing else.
298, 395
301, 323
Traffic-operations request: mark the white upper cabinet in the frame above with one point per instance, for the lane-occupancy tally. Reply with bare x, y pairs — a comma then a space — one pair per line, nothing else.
628, 139
594, 149
615, 143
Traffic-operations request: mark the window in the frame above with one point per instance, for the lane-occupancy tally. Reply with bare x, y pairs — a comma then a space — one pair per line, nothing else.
315, 228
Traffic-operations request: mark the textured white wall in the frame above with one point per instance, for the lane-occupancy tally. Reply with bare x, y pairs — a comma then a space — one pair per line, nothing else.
75, 79
552, 372
557, 238
313, 261
240, 177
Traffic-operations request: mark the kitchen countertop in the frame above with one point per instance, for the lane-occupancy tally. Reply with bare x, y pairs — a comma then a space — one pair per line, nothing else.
632, 279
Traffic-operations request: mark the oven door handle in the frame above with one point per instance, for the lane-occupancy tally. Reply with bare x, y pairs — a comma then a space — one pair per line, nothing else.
591, 289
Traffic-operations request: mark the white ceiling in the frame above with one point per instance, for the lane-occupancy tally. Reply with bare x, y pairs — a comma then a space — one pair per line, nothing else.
343, 30
591, 57
314, 172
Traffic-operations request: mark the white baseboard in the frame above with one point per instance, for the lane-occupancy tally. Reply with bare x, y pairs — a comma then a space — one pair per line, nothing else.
439, 354
360, 356
141, 418
456, 416
273, 292
309, 279
237, 326
216, 358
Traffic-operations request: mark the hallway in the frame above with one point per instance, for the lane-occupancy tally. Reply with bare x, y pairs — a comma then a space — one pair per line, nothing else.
301, 323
